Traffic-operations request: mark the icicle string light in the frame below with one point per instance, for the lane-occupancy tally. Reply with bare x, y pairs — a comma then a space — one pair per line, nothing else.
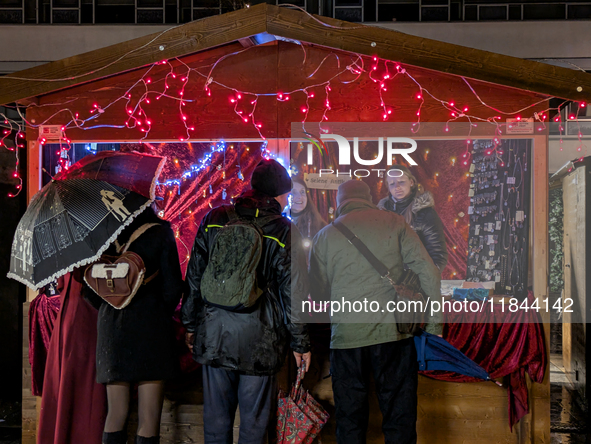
245, 102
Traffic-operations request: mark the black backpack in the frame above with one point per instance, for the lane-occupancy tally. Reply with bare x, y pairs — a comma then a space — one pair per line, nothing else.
230, 278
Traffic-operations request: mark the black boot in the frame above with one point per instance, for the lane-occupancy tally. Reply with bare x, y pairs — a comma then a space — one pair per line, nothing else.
143, 440
119, 437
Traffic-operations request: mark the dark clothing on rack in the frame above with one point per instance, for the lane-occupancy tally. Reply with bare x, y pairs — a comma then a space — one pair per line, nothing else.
253, 342
136, 343
395, 371
256, 396
419, 212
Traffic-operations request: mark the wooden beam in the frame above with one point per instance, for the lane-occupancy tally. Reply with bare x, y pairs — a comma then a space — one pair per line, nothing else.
174, 42
431, 54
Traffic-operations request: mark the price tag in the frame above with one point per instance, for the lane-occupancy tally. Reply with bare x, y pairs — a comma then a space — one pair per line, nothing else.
499, 225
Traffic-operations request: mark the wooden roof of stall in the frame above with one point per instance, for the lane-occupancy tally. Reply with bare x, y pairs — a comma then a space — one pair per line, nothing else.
272, 22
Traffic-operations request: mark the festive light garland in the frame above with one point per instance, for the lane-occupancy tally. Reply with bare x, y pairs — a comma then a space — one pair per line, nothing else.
379, 73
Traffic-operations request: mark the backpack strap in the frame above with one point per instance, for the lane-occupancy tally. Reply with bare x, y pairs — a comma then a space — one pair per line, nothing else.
137, 233
262, 221
231, 212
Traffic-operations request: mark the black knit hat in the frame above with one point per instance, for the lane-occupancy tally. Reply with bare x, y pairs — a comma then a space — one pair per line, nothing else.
270, 178
353, 189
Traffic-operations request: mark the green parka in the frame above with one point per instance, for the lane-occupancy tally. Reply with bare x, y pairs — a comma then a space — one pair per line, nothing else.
338, 272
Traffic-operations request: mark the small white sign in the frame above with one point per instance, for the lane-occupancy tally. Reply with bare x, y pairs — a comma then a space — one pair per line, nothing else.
324, 182
50, 132
522, 126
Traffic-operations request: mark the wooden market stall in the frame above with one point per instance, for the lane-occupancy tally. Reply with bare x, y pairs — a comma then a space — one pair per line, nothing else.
249, 74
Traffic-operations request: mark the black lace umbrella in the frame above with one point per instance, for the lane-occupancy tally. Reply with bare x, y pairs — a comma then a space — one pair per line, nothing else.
69, 223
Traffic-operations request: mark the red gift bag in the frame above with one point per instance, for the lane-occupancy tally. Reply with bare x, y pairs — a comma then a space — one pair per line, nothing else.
299, 416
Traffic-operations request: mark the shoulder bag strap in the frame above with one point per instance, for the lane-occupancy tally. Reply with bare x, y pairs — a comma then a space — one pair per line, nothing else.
231, 212
367, 254
137, 233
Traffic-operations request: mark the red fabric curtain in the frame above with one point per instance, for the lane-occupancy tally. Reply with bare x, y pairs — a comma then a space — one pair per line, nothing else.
506, 344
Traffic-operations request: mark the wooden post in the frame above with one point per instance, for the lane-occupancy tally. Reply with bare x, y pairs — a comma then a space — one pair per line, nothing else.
535, 427
30, 404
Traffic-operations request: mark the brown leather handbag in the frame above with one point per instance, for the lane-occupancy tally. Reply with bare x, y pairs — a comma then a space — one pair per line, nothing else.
410, 322
117, 279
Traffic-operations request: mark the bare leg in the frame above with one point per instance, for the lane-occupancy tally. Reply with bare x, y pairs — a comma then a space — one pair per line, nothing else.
118, 401
150, 399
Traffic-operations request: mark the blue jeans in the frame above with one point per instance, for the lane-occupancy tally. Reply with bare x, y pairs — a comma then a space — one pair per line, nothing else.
223, 391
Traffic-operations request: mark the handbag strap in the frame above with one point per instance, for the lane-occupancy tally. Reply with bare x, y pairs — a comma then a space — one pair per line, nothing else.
367, 254
137, 233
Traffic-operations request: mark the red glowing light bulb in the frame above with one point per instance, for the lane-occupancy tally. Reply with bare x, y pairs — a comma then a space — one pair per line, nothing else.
148, 80
582, 104
389, 111
286, 97
452, 104
232, 100
148, 101
245, 119
312, 95
419, 96
465, 109
239, 96
518, 118
375, 58
571, 117
304, 109
15, 174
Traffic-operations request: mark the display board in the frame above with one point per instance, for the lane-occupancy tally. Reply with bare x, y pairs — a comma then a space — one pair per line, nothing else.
498, 242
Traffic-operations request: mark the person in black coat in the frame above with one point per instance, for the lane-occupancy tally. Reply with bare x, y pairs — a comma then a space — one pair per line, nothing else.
241, 351
408, 199
136, 343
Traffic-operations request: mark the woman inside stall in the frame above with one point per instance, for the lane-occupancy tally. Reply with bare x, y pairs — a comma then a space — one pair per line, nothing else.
408, 198
304, 213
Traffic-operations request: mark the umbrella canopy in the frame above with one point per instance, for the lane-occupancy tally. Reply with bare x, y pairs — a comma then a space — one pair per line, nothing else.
435, 353
68, 224
299, 416
133, 171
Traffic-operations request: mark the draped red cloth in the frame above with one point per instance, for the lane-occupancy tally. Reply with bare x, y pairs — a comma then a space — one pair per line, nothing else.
504, 344
42, 313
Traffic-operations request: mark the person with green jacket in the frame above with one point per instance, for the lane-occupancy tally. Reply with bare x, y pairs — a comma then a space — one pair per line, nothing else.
367, 342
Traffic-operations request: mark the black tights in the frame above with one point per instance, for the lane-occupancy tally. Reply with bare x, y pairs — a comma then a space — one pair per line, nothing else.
150, 399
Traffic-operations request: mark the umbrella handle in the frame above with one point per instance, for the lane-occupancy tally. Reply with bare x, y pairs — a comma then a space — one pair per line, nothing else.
296, 388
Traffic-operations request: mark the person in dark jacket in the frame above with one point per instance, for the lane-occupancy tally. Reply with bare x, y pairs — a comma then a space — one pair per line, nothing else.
408, 199
136, 343
366, 342
241, 351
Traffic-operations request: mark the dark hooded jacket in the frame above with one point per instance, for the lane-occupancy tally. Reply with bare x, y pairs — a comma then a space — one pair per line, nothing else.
253, 342
424, 220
